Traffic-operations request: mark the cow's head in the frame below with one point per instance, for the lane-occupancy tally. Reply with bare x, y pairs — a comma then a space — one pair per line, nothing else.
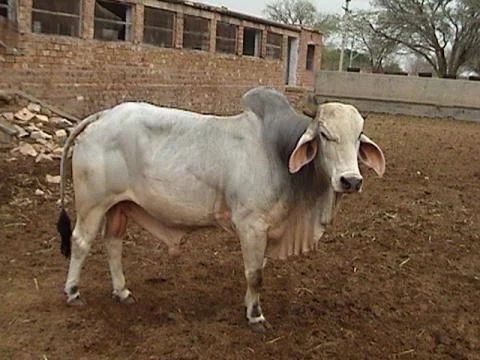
334, 141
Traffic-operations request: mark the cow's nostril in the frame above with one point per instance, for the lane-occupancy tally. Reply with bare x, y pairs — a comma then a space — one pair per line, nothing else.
358, 185
351, 183
345, 183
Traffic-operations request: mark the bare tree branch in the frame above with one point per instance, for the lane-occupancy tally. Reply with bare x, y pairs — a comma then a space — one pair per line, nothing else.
293, 12
378, 47
444, 32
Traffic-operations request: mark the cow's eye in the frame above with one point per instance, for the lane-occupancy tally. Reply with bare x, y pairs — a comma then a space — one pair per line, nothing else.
328, 137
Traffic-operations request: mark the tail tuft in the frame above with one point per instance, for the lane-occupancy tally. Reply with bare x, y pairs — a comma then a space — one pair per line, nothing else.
64, 227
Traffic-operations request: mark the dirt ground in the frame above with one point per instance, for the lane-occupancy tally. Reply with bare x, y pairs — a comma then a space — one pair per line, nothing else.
397, 275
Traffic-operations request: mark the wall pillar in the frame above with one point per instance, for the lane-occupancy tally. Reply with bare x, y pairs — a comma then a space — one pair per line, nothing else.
240, 40
24, 16
213, 34
318, 55
263, 44
179, 31
137, 26
88, 14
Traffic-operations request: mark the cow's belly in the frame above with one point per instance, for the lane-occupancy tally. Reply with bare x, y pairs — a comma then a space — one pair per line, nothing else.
180, 206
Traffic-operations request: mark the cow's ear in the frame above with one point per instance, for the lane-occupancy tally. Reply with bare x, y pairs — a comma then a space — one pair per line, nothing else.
371, 155
305, 150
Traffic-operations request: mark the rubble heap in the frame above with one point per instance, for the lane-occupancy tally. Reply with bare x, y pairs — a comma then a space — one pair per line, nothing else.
33, 131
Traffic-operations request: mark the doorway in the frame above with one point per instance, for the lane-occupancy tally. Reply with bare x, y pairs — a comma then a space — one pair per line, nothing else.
292, 59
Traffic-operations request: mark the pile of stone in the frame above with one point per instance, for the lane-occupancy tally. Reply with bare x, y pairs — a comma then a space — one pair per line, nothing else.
39, 133
30, 128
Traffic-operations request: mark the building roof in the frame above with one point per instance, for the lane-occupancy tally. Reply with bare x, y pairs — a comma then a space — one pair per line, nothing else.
225, 11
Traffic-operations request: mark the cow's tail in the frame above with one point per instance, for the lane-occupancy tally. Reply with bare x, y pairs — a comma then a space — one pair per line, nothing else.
64, 225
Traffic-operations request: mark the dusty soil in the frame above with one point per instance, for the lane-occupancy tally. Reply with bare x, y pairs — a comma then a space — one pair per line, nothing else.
396, 276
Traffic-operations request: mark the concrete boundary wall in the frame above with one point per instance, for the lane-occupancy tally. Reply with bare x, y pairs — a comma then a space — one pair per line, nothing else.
409, 95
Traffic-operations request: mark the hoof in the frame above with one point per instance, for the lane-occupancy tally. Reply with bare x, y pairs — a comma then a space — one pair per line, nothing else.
75, 301
128, 300
260, 327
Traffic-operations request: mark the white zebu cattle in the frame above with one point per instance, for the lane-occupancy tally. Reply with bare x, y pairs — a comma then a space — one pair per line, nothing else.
270, 174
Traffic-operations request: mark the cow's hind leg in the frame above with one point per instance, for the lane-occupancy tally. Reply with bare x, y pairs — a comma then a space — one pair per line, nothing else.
253, 242
116, 226
86, 229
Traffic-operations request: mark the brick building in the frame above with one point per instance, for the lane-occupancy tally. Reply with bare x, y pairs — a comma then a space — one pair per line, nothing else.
86, 55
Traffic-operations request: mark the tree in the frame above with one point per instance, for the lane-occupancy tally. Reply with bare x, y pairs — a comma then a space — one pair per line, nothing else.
473, 64
417, 64
331, 57
446, 33
293, 12
328, 24
303, 13
378, 47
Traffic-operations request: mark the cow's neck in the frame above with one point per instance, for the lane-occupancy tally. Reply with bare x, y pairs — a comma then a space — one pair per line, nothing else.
304, 226
281, 133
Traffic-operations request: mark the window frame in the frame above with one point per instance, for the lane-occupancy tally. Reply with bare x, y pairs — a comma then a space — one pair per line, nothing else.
310, 61
128, 23
257, 48
234, 40
154, 27
7, 8
209, 21
78, 17
270, 46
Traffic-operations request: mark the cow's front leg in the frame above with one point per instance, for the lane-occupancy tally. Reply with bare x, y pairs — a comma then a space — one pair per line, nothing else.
253, 238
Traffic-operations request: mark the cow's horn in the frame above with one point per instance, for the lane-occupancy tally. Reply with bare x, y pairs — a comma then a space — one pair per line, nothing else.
310, 107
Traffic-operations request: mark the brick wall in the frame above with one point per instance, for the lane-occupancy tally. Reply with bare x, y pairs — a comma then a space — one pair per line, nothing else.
297, 96
306, 78
84, 75
8, 35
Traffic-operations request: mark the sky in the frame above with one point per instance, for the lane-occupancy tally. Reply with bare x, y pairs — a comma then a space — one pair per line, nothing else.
255, 7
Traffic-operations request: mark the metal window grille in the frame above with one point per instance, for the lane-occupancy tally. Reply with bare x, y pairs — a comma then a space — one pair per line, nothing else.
226, 38
159, 27
274, 45
196, 33
57, 17
113, 21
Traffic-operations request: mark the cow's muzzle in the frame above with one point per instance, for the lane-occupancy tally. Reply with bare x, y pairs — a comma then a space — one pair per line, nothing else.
351, 183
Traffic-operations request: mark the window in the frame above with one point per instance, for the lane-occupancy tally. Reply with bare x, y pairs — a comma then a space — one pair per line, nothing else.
196, 34
113, 21
59, 17
4, 8
252, 39
226, 38
274, 45
159, 27
311, 57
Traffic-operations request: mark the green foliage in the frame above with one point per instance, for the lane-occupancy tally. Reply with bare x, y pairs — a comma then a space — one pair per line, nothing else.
331, 58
